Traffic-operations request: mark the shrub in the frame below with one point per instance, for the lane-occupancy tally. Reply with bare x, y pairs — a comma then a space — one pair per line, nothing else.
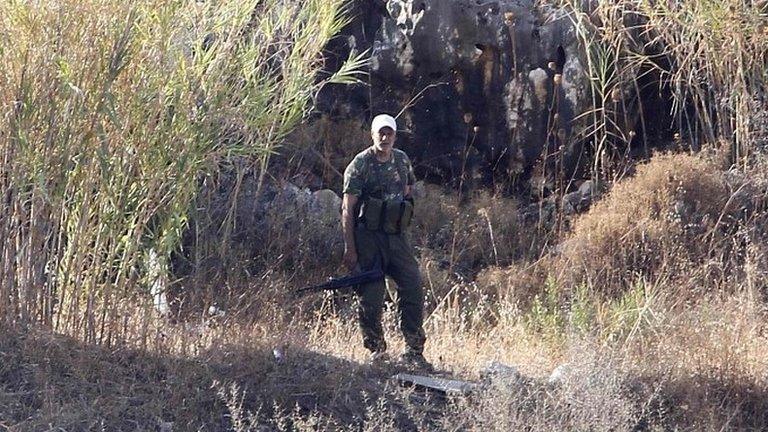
519, 283
669, 218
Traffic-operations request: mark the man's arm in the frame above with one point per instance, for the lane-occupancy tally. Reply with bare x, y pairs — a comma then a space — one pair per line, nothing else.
410, 177
348, 205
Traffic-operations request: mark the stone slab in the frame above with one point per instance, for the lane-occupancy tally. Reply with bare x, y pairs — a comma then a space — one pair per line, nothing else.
440, 385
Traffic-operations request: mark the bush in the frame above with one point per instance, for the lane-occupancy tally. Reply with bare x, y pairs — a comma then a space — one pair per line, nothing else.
519, 283
671, 217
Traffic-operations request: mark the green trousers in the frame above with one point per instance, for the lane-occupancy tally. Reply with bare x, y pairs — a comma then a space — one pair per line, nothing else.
397, 261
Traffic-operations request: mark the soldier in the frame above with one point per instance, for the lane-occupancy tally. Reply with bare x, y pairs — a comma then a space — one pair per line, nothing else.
376, 208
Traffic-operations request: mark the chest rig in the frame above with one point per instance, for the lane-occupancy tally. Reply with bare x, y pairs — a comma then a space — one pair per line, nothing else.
384, 206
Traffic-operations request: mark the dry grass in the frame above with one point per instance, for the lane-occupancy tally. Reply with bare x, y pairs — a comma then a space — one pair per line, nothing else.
674, 215
690, 368
647, 357
486, 229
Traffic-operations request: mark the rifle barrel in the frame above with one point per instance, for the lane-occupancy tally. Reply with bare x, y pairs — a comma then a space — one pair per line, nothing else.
344, 281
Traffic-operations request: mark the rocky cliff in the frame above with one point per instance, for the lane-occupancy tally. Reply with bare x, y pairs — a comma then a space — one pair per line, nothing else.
496, 89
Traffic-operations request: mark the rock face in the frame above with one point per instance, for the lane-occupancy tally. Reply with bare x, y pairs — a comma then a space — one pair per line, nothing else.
486, 89
277, 227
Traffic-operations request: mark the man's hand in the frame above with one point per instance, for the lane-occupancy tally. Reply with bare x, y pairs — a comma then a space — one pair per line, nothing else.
350, 259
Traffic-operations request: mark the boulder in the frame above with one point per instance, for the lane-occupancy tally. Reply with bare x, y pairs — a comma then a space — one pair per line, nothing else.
500, 372
325, 207
587, 189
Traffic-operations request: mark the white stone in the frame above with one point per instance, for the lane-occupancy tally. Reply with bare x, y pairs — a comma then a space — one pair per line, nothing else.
559, 374
215, 312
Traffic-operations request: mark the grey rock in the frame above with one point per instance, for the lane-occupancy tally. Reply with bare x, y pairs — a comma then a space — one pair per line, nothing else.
291, 198
496, 369
571, 203
587, 189
560, 374
501, 377
325, 207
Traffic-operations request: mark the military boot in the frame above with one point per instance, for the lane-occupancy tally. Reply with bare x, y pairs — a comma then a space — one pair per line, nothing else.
415, 361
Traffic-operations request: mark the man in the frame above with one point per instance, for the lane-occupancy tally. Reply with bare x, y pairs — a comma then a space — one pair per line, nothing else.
376, 208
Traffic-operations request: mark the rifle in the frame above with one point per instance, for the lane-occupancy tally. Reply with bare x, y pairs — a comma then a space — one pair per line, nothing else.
356, 278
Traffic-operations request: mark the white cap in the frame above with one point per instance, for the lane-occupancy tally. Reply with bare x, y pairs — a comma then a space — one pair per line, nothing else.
383, 120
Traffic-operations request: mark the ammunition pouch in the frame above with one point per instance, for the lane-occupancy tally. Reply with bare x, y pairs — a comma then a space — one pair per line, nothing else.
389, 216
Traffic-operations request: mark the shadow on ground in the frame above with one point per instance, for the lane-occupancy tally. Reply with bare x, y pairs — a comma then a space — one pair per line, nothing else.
52, 382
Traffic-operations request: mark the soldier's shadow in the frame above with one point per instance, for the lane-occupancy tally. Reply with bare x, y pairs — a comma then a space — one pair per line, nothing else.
132, 389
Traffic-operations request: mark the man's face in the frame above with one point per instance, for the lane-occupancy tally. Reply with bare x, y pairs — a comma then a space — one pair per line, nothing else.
384, 139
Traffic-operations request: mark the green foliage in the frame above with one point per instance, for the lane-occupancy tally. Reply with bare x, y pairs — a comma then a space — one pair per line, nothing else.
589, 315
546, 314
583, 310
631, 313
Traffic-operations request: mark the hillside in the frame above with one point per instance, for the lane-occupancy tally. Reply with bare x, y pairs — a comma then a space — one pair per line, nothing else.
590, 220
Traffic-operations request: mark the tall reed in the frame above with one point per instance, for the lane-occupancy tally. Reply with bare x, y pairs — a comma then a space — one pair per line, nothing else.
710, 56
112, 113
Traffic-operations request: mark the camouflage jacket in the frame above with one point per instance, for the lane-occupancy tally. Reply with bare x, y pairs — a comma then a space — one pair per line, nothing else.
366, 177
